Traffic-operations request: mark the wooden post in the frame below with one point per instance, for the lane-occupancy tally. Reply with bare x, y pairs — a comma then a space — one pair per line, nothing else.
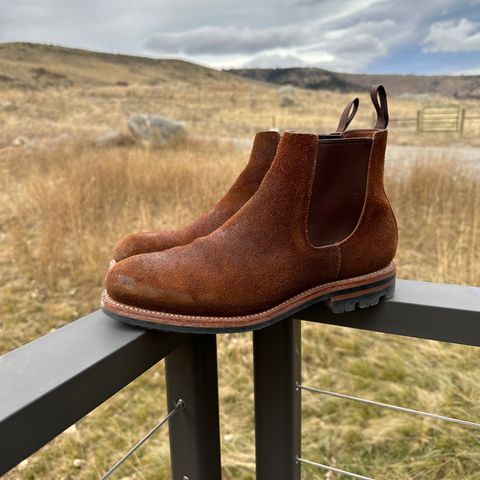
462, 120
419, 121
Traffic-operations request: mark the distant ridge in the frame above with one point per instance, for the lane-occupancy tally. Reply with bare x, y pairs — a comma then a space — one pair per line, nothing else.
36, 66
317, 78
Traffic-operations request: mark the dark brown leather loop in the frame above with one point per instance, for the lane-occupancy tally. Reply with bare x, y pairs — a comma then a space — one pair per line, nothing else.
348, 115
378, 93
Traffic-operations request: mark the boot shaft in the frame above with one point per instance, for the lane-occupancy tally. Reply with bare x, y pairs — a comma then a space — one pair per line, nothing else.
330, 192
348, 205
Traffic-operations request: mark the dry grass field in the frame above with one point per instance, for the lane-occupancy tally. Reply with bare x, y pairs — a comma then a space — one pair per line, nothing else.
63, 204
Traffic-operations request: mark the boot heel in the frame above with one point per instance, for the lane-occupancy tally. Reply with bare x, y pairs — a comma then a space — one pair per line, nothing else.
362, 297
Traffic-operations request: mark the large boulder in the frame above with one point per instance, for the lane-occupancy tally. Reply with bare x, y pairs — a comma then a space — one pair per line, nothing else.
156, 130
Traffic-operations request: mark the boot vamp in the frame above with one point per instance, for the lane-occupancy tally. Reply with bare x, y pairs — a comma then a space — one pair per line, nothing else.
237, 270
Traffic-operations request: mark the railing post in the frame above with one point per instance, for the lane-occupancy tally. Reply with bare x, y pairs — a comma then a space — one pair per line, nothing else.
191, 374
277, 366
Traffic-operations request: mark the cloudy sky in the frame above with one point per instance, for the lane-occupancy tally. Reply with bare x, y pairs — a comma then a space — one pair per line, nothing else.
384, 36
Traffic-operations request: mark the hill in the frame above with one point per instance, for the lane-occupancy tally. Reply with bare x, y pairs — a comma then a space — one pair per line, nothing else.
37, 66
467, 87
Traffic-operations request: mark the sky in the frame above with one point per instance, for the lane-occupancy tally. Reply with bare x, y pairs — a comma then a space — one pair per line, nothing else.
359, 36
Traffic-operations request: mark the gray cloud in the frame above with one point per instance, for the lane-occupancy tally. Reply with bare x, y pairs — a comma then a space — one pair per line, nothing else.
355, 47
304, 43
350, 35
279, 59
453, 36
230, 39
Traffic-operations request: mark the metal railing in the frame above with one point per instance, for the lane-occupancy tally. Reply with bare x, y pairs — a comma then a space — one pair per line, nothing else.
52, 382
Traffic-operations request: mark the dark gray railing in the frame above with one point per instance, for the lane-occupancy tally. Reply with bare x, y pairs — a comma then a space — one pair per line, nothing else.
52, 382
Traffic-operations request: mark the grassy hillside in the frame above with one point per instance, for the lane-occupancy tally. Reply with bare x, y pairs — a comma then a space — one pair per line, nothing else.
467, 87
34, 66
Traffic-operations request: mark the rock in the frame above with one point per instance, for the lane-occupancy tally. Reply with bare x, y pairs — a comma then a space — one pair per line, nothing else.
156, 130
114, 139
79, 463
24, 142
20, 141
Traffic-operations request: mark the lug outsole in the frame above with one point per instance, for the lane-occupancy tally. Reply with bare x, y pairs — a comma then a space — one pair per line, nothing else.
364, 301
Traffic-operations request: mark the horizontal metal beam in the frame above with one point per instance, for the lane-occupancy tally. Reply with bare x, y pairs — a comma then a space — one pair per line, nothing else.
435, 311
50, 383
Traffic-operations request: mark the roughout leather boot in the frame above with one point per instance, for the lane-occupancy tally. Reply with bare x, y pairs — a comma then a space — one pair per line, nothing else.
318, 229
261, 157
263, 151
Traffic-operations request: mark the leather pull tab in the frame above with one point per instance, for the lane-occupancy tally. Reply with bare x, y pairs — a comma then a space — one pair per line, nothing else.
379, 100
348, 115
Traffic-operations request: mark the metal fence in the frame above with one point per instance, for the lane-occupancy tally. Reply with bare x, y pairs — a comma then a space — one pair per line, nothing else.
52, 382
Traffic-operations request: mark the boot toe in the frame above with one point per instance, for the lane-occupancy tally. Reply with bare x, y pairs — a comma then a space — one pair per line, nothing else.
138, 282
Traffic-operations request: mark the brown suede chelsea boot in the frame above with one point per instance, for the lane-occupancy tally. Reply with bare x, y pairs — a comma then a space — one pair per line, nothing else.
319, 229
263, 151
261, 157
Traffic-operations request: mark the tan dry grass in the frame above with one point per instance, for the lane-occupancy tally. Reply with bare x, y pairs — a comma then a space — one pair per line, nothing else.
80, 196
212, 107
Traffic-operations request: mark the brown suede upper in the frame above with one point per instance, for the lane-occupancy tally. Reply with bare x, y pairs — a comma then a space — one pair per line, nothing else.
374, 241
263, 254
262, 154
